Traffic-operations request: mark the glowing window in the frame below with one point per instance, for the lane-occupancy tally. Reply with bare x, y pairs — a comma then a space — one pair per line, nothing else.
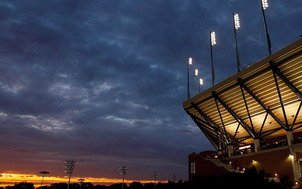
193, 167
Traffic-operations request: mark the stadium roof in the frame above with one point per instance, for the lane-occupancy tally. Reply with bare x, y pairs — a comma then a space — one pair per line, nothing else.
261, 102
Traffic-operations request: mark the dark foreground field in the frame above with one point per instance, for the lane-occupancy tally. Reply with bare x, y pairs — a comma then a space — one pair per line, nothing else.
251, 179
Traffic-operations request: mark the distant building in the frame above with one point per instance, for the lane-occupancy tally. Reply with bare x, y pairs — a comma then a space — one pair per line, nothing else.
253, 118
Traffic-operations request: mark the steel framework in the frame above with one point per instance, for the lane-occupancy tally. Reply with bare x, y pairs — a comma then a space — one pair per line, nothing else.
260, 102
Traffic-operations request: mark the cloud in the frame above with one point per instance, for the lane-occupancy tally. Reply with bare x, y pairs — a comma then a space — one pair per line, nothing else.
106, 79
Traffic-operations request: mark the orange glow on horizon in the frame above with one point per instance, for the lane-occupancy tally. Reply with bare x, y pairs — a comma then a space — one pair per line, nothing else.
9, 179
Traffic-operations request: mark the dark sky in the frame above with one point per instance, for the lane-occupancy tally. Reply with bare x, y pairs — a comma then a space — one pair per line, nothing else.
102, 82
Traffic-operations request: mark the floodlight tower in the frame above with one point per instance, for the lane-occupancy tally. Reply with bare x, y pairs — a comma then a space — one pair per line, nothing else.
196, 72
236, 26
81, 182
190, 62
264, 5
43, 173
155, 178
123, 170
212, 43
69, 166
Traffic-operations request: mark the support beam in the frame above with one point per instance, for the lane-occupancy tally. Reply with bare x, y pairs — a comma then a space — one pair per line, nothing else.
218, 144
267, 133
235, 116
204, 132
295, 119
218, 109
251, 93
208, 119
262, 71
246, 107
234, 138
210, 139
279, 95
205, 125
278, 72
244, 138
263, 123
297, 127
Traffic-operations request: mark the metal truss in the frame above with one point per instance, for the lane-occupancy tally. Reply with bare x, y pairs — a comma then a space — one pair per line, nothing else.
218, 135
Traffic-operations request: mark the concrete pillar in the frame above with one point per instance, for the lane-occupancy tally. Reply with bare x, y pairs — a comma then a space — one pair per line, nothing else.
257, 144
219, 152
290, 137
295, 164
230, 150
220, 144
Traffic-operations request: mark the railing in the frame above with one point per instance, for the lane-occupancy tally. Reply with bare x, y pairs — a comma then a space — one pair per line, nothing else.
267, 146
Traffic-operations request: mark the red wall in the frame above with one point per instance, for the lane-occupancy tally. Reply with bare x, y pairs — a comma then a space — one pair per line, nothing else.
272, 162
204, 167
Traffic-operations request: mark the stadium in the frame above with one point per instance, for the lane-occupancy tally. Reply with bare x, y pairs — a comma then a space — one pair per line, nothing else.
253, 118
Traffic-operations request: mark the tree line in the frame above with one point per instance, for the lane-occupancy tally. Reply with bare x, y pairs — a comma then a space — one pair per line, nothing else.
250, 179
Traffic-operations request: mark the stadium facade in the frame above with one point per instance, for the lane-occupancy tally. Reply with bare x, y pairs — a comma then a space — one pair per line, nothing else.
253, 118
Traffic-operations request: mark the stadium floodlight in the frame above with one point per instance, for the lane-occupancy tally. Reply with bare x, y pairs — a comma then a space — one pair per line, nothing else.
213, 38
236, 21
201, 81
123, 170
236, 26
196, 72
69, 166
190, 62
212, 43
264, 4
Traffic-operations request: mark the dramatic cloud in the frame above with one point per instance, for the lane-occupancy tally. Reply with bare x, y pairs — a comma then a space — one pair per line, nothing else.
102, 82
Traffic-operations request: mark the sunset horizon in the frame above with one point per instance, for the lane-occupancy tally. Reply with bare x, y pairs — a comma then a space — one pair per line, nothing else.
10, 179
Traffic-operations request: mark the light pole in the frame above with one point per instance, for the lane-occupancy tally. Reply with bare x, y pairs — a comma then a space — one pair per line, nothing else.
196, 72
236, 26
69, 166
43, 173
212, 43
81, 181
190, 62
155, 178
264, 5
200, 83
123, 170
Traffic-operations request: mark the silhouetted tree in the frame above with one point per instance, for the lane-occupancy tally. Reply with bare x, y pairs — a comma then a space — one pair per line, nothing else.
117, 186
24, 185
58, 186
149, 186
100, 187
136, 185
